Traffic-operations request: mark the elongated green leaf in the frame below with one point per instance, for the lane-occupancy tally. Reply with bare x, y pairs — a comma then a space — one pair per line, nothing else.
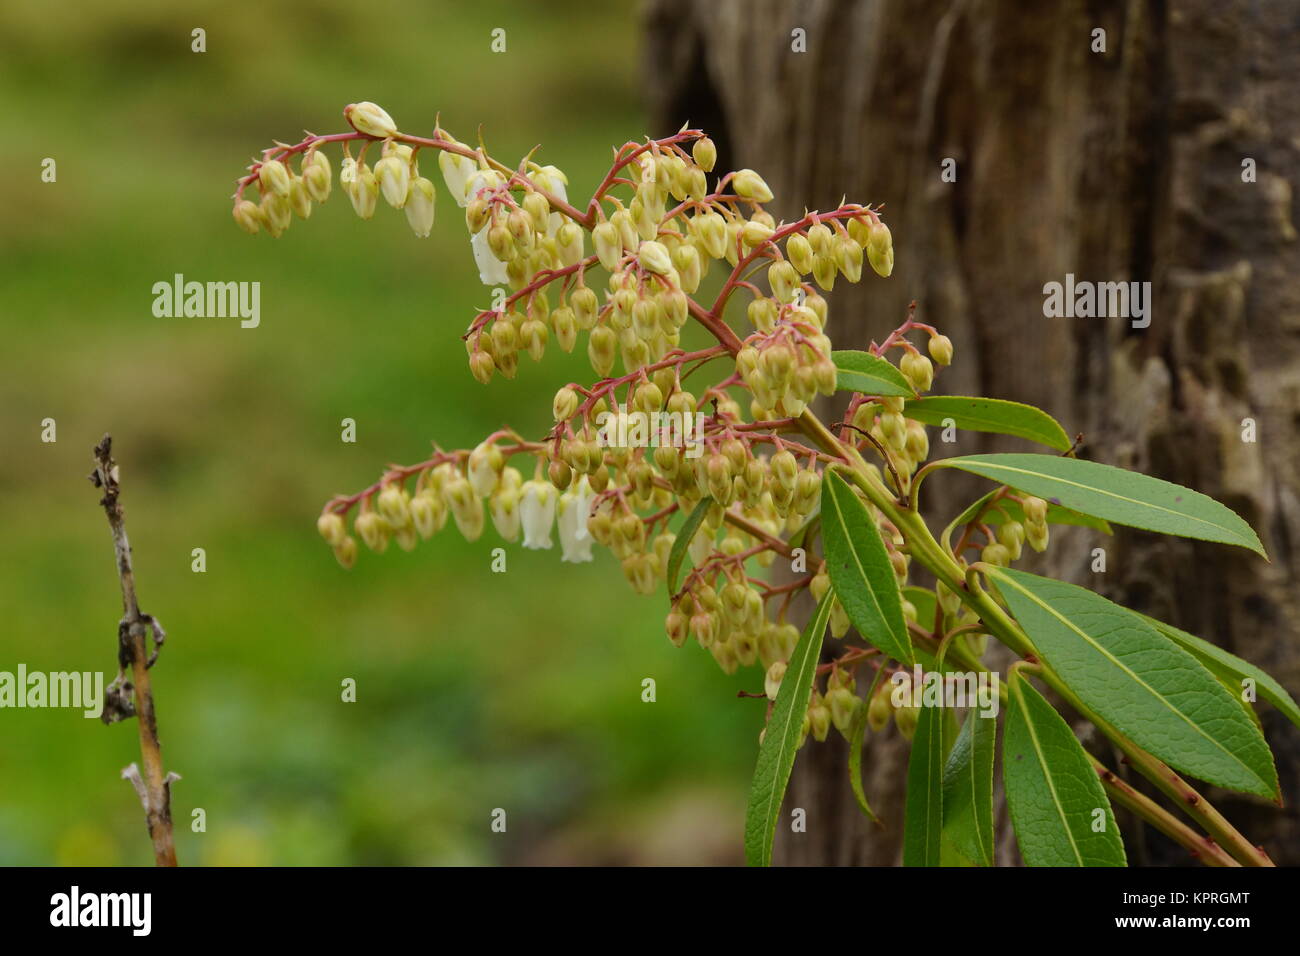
968, 789
860, 571
1232, 669
923, 812
1124, 497
924, 601
781, 740
1149, 688
856, 731
683, 540
1007, 510
1052, 791
990, 415
869, 374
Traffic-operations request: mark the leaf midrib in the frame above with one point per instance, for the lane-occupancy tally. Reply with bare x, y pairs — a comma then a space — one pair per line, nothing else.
1102, 491
1047, 774
1138, 680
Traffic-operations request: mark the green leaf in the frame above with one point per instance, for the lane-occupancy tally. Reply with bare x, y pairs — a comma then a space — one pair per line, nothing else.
856, 731
1149, 688
860, 571
1231, 668
1052, 790
924, 600
869, 374
990, 415
683, 540
1124, 497
781, 739
968, 789
923, 813
1007, 510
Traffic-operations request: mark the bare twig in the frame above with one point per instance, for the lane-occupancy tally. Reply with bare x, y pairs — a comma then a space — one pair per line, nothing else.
133, 670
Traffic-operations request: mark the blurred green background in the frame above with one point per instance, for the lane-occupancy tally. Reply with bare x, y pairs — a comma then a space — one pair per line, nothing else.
475, 690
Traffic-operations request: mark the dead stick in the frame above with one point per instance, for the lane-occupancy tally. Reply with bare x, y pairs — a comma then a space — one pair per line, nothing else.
155, 788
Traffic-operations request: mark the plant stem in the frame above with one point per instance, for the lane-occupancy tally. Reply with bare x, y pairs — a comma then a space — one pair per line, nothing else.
922, 545
155, 790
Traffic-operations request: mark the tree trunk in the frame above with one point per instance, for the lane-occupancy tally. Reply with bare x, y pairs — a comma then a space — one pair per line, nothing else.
1122, 165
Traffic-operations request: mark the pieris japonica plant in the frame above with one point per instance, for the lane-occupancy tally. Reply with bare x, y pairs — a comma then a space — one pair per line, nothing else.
713, 461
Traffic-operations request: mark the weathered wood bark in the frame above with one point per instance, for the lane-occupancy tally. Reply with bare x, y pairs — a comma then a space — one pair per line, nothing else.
1122, 165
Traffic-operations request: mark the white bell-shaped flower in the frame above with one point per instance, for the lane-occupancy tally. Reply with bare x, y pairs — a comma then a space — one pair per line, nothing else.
537, 513
573, 509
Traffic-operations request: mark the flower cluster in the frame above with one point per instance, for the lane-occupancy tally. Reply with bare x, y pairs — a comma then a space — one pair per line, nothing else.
656, 226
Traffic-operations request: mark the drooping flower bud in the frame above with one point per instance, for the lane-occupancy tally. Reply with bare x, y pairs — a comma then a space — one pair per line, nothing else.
274, 178
750, 185
916, 368
316, 173
420, 206
880, 249
565, 404
800, 253
704, 153
940, 347
248, 216
331, 528
609, 246
653, 257
394, 178
370, 119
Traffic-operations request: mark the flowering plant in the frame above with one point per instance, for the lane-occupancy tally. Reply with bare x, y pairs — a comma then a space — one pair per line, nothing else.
770, 479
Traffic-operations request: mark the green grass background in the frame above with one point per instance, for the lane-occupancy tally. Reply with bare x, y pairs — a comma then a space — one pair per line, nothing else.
475, 690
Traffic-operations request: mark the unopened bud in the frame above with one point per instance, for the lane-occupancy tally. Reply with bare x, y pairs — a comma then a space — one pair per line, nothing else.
370, 119
274, 178
940, 347
331, 528
704, 153
750, 185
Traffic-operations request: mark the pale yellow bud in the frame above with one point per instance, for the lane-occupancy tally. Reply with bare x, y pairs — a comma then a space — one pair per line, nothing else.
370, 119
565, 405
331, 528
248, 216
316, 173
274, 178
940, 347
704, 153
653, 257
800, 253
420, 206
750, 185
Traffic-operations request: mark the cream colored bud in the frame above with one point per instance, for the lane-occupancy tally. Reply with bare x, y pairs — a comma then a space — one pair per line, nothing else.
824, 271
316, 173
653, 257
394, 178
940, 347
848, 256
275, 214
364, 192
609, 247
772, 680
346, 552
481, 366
880, 249
248, 216
784, 280
754, 233
916, 368
704, 153
1035, 509
750, 185
273, 177
370, 119
420, 206
800, 253
565, 405
602, 349
331, 528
